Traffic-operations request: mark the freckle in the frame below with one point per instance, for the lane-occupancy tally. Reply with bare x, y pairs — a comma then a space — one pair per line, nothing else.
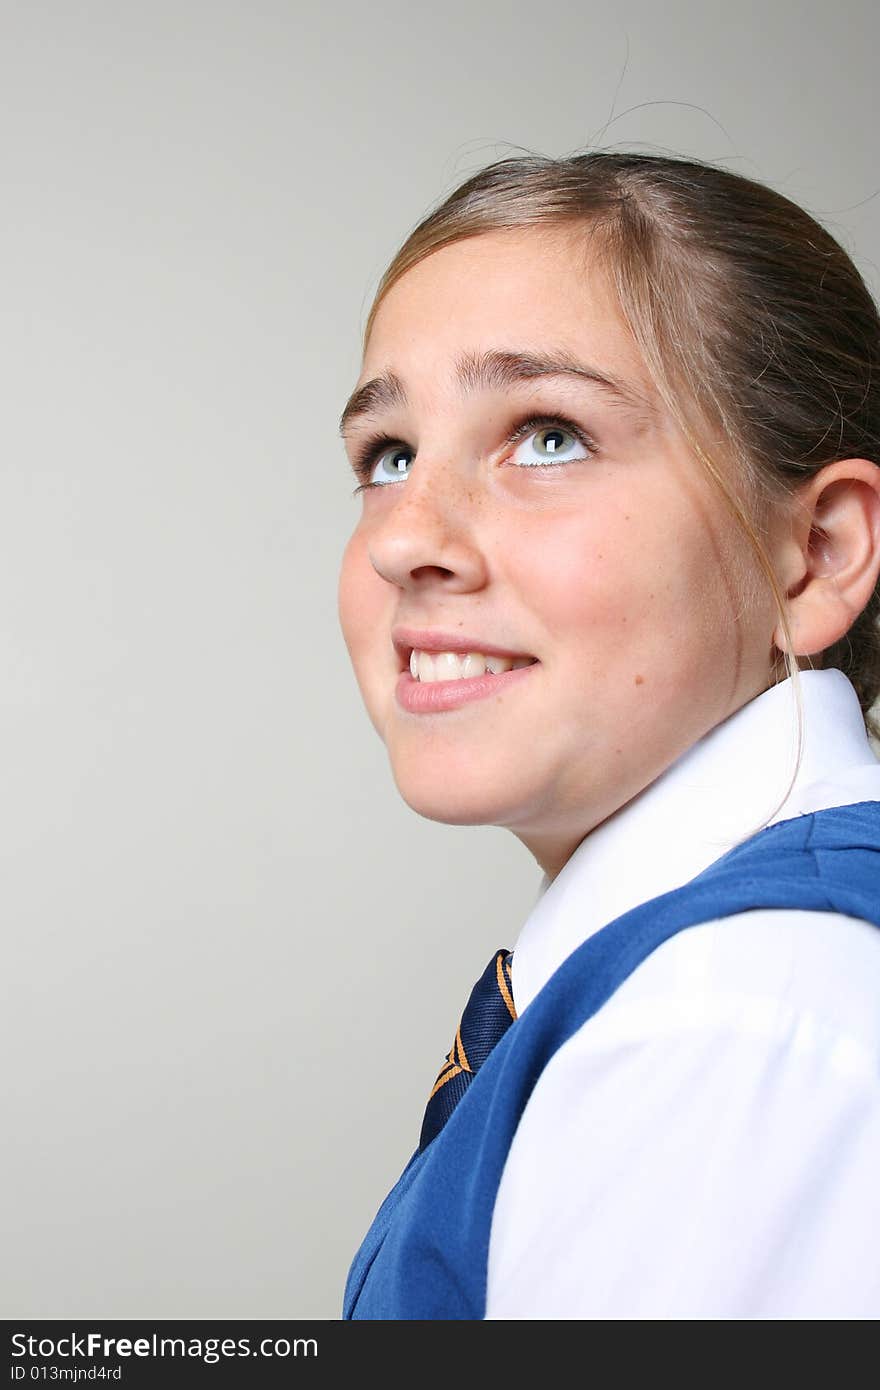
640, 680
626, 516
600, 555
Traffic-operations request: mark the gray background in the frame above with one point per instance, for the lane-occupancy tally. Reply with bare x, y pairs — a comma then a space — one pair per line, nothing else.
233, 958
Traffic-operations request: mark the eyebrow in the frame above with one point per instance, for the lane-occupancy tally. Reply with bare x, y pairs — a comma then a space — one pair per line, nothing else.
493, 370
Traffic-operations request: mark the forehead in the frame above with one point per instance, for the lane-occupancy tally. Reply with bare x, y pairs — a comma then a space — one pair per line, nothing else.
544, 288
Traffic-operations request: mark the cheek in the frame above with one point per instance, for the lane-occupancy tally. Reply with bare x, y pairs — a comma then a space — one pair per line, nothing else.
591, 580
633, 592
360, 598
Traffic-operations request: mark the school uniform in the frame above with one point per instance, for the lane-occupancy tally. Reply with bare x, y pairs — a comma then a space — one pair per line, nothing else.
683, 1121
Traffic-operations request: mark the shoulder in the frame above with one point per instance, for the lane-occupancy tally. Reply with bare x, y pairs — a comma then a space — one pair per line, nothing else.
757, 973
782, 975
758, 986
726, 1097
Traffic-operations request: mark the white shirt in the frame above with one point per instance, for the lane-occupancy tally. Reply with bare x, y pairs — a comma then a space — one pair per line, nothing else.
707, 1145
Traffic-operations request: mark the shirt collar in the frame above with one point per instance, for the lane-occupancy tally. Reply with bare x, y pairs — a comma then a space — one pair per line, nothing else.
725, 787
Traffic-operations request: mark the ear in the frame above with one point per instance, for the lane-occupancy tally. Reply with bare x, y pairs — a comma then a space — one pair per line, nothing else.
829, 562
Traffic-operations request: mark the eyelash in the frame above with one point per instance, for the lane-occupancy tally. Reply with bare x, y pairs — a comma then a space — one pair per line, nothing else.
373, 448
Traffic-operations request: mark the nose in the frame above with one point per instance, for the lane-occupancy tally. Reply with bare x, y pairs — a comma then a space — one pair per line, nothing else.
429, 533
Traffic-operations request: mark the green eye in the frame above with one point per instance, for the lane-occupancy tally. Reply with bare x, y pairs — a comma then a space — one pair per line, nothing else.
391, 465
552, 443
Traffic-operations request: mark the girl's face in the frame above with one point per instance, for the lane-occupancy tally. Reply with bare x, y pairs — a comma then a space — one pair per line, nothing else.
531, 496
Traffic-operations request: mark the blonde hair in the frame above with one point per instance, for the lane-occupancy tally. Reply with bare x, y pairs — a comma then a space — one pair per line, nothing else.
755, 325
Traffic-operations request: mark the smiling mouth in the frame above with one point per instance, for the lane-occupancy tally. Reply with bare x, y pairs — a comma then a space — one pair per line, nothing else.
427, 667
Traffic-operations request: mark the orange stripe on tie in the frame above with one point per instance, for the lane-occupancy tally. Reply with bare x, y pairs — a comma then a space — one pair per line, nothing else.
503, 986
462, 1055
443, 1078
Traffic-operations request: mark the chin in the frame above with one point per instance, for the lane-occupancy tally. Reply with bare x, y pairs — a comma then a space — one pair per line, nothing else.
440, 794
446, 813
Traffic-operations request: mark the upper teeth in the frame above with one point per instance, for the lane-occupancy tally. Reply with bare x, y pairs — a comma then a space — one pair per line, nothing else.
452, 666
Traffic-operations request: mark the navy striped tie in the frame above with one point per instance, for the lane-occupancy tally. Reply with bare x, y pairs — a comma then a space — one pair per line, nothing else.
488, 1014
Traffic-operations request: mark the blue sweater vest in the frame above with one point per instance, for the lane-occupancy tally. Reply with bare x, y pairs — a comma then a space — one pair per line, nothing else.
425, 1255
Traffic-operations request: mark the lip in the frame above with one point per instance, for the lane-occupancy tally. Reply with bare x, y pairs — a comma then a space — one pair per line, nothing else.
433, 697
405, 639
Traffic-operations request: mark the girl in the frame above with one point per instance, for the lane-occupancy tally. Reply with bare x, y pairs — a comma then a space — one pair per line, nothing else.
615, 587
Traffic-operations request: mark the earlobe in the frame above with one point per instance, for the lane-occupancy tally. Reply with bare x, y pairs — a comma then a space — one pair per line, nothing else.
833, 555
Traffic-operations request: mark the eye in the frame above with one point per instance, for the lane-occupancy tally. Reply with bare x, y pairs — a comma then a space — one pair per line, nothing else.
383, 460
386, 461
551, 440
